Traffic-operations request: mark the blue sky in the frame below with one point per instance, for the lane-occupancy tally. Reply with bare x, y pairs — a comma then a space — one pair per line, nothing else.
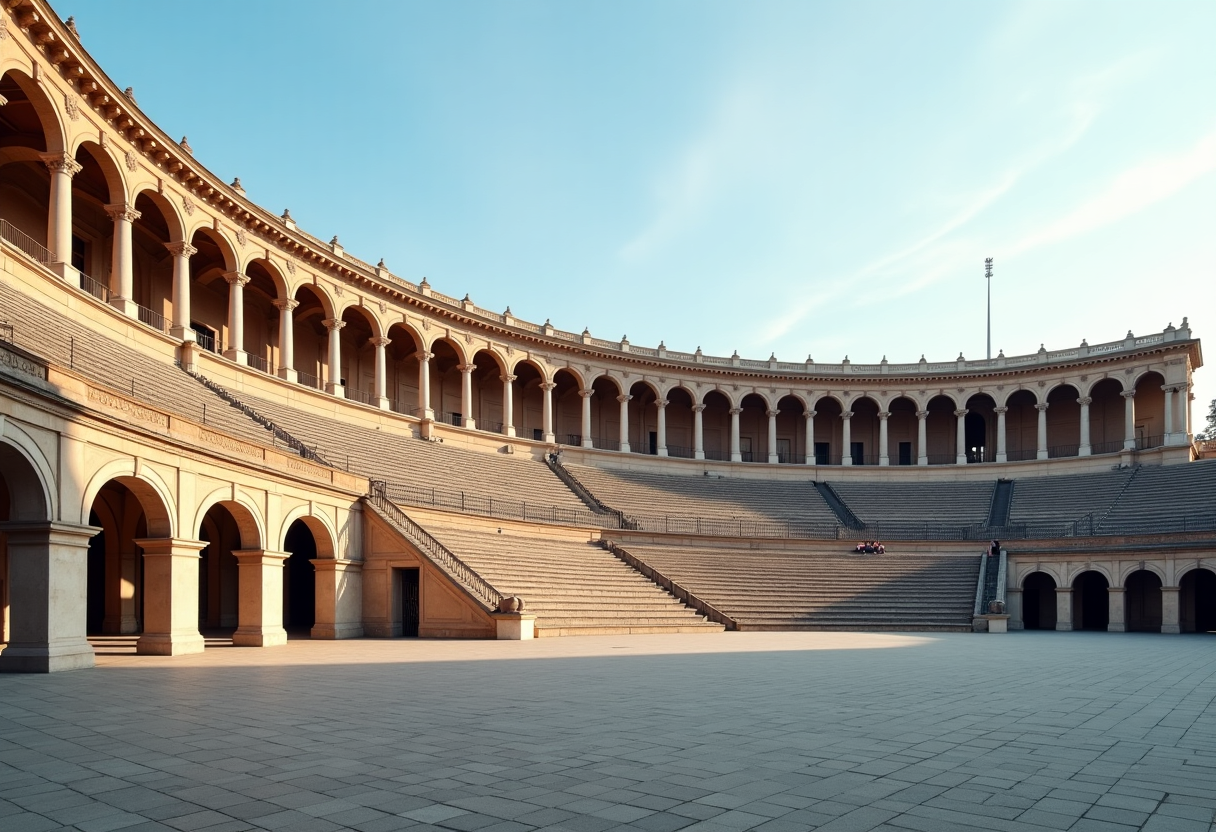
819, 178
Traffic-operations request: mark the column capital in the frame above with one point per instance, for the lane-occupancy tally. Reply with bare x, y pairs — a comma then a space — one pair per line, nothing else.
624, 397
772, 414
961, 412
1042, 407
1000, 411
809, 414
1169, 388
884, 415
332, 324
547, 385
698, 408
1129, 394
236, 277
508, 378
848, 414
661, 403
57, 162
380, 341
285, 304
1085, 401
586, 394
735, 411
425, 356
181, 249
466, 368
122, 211
922, 414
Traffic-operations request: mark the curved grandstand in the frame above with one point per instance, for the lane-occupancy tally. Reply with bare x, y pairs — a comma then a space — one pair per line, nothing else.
214, 421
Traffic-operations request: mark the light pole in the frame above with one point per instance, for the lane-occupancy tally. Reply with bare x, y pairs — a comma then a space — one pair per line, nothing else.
988, 277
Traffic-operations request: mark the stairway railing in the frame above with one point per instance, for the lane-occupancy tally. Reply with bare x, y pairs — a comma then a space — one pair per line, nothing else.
1118, 497
584, 493
434, 551
681, 593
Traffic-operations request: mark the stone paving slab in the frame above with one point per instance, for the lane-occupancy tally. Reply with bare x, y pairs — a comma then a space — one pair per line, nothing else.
768, 731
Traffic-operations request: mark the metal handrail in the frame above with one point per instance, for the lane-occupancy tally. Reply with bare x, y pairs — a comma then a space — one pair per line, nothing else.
153, 319
309, 380
24, 243
436, 552
257, 362
479, 504
95, 288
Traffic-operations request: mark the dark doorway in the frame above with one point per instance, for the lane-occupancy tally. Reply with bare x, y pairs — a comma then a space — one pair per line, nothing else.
1039, 602
1090, 602
821, 453
975, 435
654, 443
95, 605
905, 453
409, 603
857, 450
1198, 598
299, 578
1143, 602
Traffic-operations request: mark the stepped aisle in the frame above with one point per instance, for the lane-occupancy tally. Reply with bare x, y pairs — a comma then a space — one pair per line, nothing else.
803, 590
573, 587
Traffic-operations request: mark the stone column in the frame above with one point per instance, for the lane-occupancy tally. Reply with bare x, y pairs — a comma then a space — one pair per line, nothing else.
287, 339
1013, 605
122, 275
1171, 610
1168, 437
260, 598
333, 363
809, 416
884, 454
960, 437
236, 317
508, 404
180, 328
1063, 608
661, 405
339, 601
424, 386
380, 394
735, 454
1085, 448
170, 597
698, 431
48, 589
773, 459
1041, 453
466, 395
1116, 598
59, 214
585, 423
922, 438
1129, 419
547, 395
624, 400
122, 575
1183, 409
1001, 453
846, 438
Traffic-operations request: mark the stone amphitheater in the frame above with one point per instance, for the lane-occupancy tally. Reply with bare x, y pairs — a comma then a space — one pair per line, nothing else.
218, 429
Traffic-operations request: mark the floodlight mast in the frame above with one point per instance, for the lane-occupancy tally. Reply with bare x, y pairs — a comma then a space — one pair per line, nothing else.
988, 277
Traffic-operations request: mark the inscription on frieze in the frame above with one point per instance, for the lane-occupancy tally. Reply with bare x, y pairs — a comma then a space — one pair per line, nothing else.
128, 408
21, 364
219, 440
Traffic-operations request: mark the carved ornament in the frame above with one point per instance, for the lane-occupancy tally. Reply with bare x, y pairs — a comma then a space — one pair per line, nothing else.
70, 106
132, 162
187, 205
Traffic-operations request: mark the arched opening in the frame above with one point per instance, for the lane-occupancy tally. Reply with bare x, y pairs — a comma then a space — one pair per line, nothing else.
680, 423
116, 567
864, 432
93, 189
941, 431
309, 337
979, 428
402, 370
529, 401
27, 131
299, 579
753, 428
1063, 422
1197, 599
487, 387
828, 431
901, 431
210, 266
791, 430
606, 414
1090, 601
21, 500
238, 579
643, 419
1143, 602
1021, 426
1150, 411
1039, 601
358, 356
1106, 417
567, 408
446, 382
715, 425
261, 327
152, 262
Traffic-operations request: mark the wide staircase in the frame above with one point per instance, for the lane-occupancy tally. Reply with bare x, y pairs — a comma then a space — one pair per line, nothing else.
1165, 498
1043, 502
572, 586
896, 507
807, 589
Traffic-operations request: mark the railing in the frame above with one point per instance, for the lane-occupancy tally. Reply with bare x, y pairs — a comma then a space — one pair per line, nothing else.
605, 444
153, 319
24, 243
1063, 451
1143, 443
259, 363
206, 341
1111, 447
574, 484
95, 288
361, 396
681, 452
492, 507
490, 427
436, 552
943, 459
573, 440
404, 408
1021, 455
309, 380
450, 418
681, 593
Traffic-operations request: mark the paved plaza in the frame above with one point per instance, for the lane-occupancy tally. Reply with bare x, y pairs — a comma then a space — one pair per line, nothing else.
780, 731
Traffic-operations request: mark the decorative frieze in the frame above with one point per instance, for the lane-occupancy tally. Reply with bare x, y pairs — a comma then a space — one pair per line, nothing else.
128, 408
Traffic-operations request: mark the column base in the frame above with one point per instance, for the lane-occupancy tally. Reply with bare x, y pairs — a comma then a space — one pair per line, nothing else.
381, 402
468, 422
587, 443
698, 455
509, 431
1064, 626
237, 357
960, 459
66, 271
335, 389
773, 459
1041, 453
1170, 629
267, 637
550, 439
1000, 457
884, 461
997, 623
1116, 627
846, 460
337, 631
126, 306
73, 655
736, 457
514, 626
1085, 450
166, 644
661, 452
1129, 444
288, 374
183, 333
922, 460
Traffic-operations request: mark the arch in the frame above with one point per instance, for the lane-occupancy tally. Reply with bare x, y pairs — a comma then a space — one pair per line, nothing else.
219, 240
1091, 600
1039, 600
1197, 600
617, 383
29, 475
167, 208
152, 492
111, 170
373, 322
54, 136
460, 351
277, 278
731, 399
1023, 392
1089, 388
243, 509
1143, 601
903, 430
324, 299
1130, 569
860, 397
322, 530
525, 361
829, 397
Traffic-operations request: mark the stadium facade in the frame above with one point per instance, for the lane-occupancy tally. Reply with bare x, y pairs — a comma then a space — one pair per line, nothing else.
212, 420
